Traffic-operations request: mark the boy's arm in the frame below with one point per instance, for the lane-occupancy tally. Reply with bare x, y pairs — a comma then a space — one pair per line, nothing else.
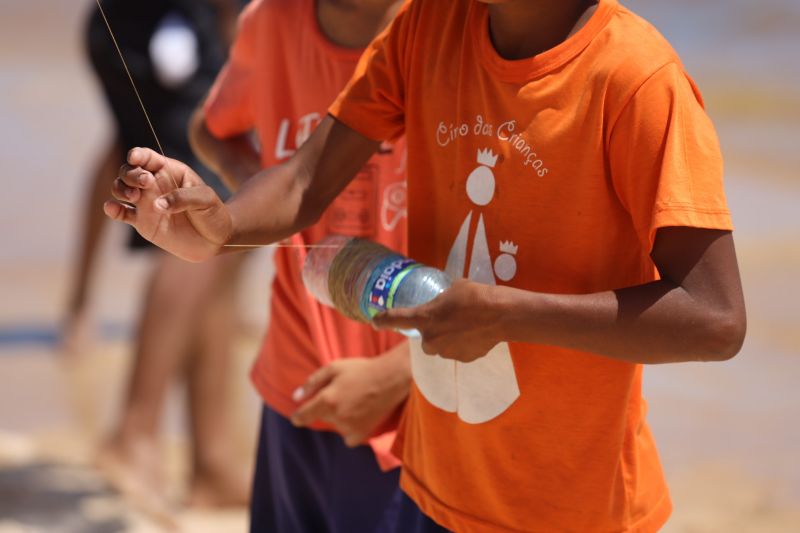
694, 313
191, 221
277, 204
234, 159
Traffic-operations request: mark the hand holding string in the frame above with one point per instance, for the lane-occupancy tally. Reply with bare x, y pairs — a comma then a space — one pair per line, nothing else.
169, 205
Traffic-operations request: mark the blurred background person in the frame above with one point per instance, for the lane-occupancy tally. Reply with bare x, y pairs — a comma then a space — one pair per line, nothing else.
174, 49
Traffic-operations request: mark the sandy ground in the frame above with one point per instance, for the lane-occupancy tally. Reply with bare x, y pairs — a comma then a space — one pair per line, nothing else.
729, 434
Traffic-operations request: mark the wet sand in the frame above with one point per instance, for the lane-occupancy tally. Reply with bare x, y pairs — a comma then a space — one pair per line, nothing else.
728, 433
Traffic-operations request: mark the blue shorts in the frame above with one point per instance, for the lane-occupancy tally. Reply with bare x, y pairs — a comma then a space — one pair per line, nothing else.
309, 481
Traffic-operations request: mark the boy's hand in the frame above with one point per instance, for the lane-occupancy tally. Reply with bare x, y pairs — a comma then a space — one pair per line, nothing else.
462, 323
190, 222
355, 395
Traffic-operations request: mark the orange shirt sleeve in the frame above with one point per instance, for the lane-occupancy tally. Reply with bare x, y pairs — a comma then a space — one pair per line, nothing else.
665, 159
229, 108
373, 102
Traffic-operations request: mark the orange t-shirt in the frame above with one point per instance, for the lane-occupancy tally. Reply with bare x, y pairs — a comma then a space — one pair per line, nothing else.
548, 174
281, 77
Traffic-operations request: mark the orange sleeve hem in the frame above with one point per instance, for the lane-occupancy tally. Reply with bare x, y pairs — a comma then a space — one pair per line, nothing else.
353, 121
686, 215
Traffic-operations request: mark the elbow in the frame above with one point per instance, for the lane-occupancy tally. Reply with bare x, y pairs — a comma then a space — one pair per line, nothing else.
724, 335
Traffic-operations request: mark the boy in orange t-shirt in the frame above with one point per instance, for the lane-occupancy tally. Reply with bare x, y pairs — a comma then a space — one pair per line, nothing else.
561, 162
289, 61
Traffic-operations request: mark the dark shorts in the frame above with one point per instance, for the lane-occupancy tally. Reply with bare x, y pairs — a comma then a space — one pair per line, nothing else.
308, 481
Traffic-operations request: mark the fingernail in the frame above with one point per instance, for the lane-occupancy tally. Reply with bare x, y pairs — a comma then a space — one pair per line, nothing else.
162, 204
298, 394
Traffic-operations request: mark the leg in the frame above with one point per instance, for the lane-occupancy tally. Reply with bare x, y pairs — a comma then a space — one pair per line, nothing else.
289, 487
131, 458
308, 480
94, 222
219, 477
363, 496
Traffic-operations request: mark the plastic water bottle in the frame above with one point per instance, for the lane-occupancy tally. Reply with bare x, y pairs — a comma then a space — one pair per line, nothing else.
361, 278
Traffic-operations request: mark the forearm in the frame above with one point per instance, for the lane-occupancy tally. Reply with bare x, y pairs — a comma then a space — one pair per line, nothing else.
289, 197
695, 312
233, 159
93, 224
659, 322
271, 206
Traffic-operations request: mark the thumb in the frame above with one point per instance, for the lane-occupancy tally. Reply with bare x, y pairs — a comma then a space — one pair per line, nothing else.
204, 210
197, 198
318, 408
351, 440
315, 382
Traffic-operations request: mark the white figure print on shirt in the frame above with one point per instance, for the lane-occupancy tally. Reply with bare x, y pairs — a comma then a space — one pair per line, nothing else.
483, 389
505, 266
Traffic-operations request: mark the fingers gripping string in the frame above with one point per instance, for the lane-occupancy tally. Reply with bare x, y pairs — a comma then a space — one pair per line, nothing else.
135, 89
160, 147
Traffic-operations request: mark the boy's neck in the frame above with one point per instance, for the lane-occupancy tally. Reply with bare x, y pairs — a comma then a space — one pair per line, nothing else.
525, 28
354, 23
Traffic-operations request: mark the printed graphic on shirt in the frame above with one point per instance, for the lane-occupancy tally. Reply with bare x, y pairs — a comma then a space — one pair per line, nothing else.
505, 132
306, 124
393, 208
354, 211
483, 389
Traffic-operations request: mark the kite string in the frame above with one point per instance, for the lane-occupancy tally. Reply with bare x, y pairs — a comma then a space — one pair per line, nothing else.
130, 77
161, 149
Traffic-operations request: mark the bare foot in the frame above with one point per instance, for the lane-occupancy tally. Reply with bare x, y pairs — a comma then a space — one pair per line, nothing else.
132, 468
221, 487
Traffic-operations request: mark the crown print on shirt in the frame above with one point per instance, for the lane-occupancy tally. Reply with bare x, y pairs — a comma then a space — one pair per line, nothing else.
482, 389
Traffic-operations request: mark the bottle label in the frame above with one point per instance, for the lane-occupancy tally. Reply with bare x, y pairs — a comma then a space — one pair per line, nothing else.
383, 284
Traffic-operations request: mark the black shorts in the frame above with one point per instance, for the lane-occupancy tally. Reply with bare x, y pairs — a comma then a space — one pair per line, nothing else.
309, 481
